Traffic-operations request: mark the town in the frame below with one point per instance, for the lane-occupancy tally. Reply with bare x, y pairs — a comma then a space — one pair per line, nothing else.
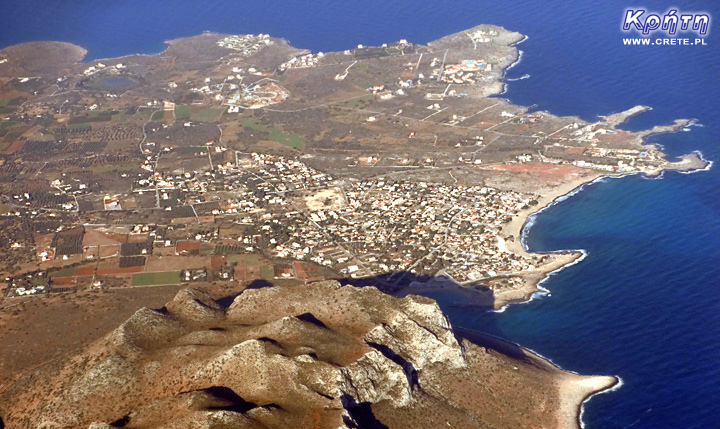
232, 159
295, 218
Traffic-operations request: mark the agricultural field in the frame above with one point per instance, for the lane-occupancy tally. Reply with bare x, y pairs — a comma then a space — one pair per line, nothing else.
183, 111
193, 149
63, 272
79, 127
274, 133
4, 105
4, 126
159, 278
267, 272
208, 115
114, 168
223, 249
251, 266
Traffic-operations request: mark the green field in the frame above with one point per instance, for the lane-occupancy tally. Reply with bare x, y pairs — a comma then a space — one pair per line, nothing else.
193, 149
113, 167
182, 111
223, 249
247, 259
160, 278
267, 272
360, 102
5, 125
157, 116
41, 281
275, 133
209, 115
63, 272
82, 126
4, 105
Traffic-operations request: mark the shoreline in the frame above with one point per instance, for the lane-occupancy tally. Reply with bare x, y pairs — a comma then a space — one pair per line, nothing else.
498, 301
521, 223
518, 57
573, 389
519, 228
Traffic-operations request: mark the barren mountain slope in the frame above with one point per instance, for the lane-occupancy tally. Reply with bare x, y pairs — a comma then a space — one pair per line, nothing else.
319, 355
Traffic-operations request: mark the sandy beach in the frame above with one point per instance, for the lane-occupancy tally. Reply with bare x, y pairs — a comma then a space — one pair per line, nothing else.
469, 295
547, 193
559, 259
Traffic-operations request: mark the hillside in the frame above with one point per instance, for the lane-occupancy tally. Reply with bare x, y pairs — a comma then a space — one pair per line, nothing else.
319, 355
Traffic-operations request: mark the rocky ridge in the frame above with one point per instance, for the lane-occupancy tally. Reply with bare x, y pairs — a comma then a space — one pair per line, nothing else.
319, 355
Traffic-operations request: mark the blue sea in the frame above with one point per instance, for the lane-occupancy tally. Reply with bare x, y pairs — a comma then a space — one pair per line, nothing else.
645, 303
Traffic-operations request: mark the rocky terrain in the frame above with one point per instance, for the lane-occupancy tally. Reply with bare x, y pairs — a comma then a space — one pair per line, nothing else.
319, 355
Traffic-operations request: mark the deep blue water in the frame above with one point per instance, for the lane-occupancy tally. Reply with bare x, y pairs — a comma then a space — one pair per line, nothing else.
645, 303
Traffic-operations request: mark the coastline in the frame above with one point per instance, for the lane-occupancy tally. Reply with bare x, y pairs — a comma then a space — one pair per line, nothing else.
517, 228
497, 301
573, 389
518, 57
521, 222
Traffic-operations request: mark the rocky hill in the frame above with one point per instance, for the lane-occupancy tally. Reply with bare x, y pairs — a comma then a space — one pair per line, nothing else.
39, 59
313, 356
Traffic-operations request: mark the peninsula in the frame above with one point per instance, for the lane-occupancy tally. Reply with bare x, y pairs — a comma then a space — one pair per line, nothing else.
230, 162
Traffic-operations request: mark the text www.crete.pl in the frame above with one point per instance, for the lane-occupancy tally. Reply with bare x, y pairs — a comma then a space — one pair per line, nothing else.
665, 42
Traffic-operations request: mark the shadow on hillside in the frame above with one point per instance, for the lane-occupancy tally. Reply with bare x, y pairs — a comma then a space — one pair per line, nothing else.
466, 307
361, 415
449, 295
490, 342
457, 302
444, 290
255, 284
231, 400
121, 422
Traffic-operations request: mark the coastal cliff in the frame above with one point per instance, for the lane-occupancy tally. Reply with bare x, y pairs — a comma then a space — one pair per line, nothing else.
319, 355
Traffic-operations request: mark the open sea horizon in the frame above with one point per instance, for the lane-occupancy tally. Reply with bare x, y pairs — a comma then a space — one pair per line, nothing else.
644, 304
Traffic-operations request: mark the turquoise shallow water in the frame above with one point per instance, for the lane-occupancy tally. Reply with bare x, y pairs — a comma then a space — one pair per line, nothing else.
645, 303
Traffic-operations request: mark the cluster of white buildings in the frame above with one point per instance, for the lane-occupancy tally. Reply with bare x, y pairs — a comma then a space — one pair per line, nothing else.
426, 227
381, 226
372, 227
303, 61
467, 71
100, 66
482, 36
247, 44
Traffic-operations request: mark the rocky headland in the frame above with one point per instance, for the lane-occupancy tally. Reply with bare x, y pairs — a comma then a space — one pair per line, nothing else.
319, 355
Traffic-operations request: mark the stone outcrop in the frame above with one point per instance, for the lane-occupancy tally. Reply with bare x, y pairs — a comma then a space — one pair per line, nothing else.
318, 355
